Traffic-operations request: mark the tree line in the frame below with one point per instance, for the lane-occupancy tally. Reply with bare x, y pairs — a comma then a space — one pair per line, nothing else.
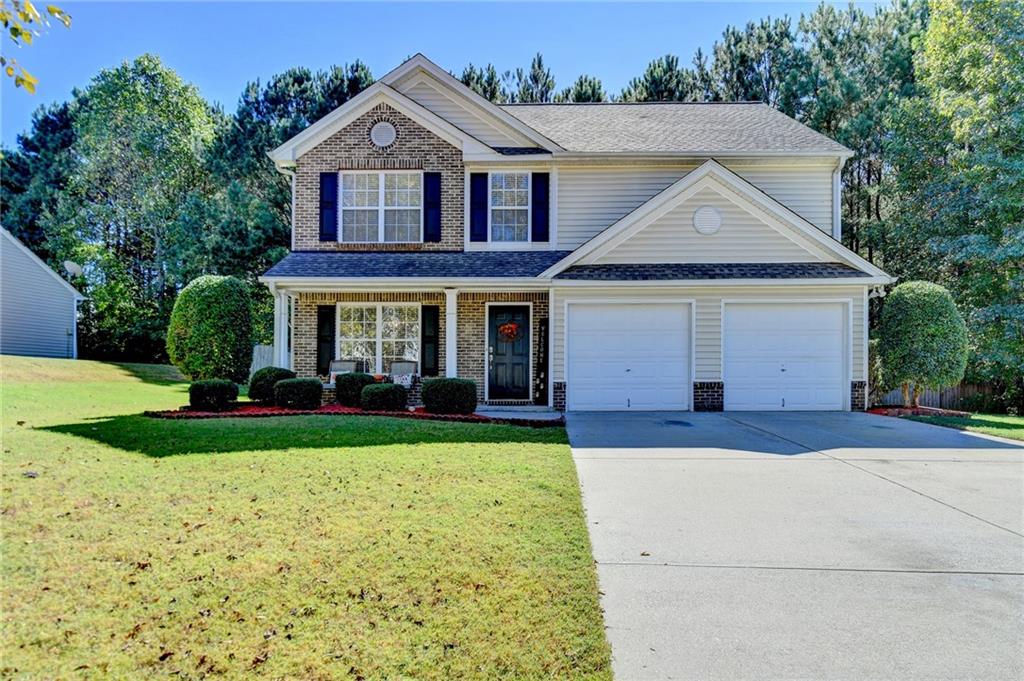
147, 185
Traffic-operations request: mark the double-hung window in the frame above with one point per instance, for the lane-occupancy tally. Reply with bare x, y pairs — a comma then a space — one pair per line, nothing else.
376, 336
381, 207
510, 206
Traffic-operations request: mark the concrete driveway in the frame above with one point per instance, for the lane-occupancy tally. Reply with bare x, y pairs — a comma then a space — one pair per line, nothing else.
804, 546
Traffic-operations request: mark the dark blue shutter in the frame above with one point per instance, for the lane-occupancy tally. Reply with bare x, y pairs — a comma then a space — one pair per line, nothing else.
328, 206
325, 325
541, 203
430, 341
478, 207
431, 206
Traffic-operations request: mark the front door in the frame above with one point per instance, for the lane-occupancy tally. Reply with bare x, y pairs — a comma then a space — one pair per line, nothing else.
508, 352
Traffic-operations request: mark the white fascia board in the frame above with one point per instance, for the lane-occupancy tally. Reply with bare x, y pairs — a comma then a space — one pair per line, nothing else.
459, 89
696, 154
672, 196
704, 283
39, 261
378, 93
410, 283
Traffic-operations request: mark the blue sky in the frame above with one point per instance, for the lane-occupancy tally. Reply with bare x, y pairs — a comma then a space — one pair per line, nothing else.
220, 46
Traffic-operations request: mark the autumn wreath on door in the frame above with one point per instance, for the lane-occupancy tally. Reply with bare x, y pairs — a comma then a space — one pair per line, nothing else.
510, 332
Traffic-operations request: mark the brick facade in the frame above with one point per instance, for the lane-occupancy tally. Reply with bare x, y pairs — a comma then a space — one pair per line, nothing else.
858, 395
472, 319
471, 342
558, 395
708, 395
350, 149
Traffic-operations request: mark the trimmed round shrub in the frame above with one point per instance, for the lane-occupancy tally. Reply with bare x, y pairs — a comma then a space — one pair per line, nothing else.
384, 397
449, 396
298, 393
923, 340
214, 394
261, 385
349, 387
210, 332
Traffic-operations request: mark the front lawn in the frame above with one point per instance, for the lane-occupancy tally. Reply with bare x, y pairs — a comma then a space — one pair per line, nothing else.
991, 424
298, 547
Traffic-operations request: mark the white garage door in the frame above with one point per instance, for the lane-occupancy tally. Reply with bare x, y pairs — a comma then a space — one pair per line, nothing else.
628, 357
784, 356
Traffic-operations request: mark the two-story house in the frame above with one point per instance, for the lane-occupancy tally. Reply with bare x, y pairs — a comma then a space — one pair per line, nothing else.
582, 256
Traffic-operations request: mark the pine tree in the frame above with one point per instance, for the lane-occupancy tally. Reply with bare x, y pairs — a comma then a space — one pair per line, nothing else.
585, 89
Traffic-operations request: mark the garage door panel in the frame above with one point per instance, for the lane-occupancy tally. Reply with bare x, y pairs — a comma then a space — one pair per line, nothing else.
628, 356
787, 356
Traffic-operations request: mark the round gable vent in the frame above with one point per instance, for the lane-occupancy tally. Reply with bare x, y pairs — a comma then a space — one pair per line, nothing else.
707, 220
383, 134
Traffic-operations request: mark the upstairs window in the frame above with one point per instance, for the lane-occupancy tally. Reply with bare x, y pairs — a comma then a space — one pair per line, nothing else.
510, 206
381, 207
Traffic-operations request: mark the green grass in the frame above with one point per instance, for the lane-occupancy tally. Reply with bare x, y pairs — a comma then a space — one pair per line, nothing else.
292, 547
1011, 427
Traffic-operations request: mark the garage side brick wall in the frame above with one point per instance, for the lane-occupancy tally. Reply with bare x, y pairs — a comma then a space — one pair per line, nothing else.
708, 395
858, 395
416, 148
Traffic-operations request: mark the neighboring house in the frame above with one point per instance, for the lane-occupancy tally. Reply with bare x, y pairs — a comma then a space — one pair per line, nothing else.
582, 256
38, 309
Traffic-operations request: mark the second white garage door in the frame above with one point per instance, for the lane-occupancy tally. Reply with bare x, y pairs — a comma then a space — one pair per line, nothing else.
784, 356
628, 357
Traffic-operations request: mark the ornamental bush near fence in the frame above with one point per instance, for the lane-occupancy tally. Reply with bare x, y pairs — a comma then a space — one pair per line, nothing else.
298, 393
214, 394
210, 331
261, 385
449, 396
349, 387
384, 397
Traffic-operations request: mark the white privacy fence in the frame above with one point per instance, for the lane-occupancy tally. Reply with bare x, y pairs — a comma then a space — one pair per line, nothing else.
262, 356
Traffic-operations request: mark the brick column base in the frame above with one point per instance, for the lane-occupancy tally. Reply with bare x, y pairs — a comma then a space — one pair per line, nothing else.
558, 395
330, 395
858, 395
708, 395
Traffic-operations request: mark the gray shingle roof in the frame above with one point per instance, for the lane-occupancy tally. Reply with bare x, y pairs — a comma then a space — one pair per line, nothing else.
679, 272
452, 264
680, 127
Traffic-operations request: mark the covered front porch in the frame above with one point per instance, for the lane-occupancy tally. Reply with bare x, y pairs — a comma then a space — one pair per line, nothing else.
497, 338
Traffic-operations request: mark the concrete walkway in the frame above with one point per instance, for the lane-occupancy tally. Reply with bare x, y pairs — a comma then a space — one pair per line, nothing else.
804, 546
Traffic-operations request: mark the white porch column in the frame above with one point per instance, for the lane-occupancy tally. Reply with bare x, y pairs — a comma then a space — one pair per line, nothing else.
279, 345
451, 332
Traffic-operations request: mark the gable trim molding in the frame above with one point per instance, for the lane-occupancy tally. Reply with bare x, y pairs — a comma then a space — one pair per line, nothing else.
378, 93
460, 91
711, 173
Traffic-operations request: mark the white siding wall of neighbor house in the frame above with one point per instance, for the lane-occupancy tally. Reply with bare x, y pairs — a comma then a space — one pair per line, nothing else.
707, 332
742, 237
459, 115
37, 312
593, 198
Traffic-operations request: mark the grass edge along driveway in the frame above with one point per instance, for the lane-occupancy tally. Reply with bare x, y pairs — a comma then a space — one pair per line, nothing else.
1000, 425
305, 547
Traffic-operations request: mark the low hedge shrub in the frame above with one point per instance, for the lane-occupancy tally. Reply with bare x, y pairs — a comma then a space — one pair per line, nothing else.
298, 393
349, 387
383, 397
213, 394
261, 385
449, 396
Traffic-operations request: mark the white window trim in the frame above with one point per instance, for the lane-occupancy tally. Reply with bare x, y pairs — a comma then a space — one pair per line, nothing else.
529, 206
380, 208
379, 333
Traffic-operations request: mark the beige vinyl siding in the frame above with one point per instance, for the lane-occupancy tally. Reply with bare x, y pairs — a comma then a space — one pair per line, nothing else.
592, 199
707, 333
37, 313
459, 115
743, 237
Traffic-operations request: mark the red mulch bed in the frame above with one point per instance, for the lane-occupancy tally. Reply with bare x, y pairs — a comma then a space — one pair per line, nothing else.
916, 411
251, 410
